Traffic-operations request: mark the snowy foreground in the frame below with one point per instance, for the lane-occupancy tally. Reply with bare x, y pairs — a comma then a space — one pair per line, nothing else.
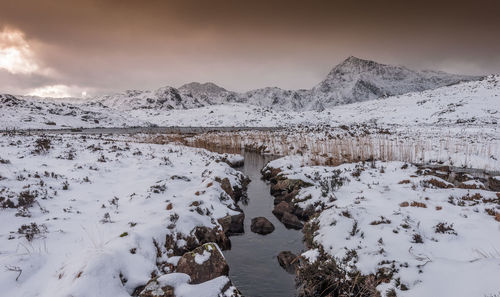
86, 217
419, 232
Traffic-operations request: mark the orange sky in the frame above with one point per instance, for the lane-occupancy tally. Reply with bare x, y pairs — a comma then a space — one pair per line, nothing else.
102, 46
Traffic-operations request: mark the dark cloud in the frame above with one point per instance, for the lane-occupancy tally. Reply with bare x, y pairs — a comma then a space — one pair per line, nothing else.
118, 44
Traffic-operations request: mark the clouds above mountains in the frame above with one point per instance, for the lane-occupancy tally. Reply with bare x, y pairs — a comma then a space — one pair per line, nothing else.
102, 46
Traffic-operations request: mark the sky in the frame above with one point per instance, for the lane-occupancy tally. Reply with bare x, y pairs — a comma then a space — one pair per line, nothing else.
90, 47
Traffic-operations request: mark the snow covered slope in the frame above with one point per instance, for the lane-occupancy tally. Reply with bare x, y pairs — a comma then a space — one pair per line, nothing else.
476, 102
471, 103
37, 113
412, 228
92, 217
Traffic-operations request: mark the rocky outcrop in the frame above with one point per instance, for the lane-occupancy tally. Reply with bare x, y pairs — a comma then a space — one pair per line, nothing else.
261, 225
288, 261
284, 191
203, 263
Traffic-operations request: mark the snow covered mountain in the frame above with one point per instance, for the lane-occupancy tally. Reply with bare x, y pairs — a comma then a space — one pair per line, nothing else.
475, 103
353, 80
356, 80
164, 98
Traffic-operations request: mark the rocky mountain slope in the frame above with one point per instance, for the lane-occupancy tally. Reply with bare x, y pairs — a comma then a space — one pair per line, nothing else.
353, 80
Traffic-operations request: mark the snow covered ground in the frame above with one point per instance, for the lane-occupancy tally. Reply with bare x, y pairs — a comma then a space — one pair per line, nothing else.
90, 217
475, 103
419, 233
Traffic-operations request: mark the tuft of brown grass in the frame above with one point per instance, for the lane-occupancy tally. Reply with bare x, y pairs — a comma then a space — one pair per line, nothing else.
169, 206
404, 204
439, 207
470, 187
404, 181
438, 184
418, 204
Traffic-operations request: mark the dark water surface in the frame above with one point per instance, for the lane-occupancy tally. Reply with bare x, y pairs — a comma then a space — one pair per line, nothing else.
254, 268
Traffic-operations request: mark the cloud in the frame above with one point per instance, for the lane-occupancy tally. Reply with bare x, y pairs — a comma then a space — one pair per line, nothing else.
16, 55
23, 72
55, 91
104, 46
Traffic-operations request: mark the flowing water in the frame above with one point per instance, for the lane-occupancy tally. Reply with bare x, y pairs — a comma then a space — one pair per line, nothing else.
254, 268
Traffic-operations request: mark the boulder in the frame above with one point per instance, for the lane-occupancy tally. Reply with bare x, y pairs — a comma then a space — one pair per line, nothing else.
288, 261
291, 221
281, 208
261, 225
232, 224
204, 263
237, 224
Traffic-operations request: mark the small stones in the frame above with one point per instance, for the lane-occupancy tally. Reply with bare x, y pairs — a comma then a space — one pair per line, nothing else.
261, 225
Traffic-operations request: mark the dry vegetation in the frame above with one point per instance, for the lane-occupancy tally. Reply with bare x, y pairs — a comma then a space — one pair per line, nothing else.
323, 148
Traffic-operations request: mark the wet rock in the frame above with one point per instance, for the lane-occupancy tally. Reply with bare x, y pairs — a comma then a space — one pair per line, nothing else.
232, 224
291, 221
261, 225
203, 263
281, 208
288, 261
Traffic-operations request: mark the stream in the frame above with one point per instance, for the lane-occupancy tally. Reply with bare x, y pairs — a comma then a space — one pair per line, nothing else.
252, 259
254, 268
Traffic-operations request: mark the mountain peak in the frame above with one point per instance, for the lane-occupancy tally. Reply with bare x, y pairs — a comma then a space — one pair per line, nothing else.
355, 64
207, 87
